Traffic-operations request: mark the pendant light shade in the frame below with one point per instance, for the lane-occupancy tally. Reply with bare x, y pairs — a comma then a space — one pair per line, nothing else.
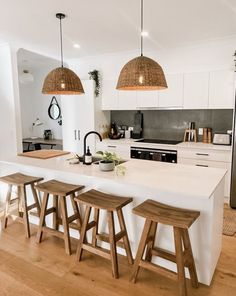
62, 81
141, 73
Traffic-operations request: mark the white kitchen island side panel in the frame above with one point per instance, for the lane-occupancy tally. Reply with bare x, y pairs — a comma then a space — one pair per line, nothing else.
205, 233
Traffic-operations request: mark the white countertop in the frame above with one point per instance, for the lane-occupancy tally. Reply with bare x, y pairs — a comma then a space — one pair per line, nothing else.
189, 145
176, 179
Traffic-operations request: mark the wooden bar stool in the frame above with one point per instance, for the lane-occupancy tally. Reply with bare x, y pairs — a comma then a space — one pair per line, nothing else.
180, 220
20, 181
101, 201
59, 191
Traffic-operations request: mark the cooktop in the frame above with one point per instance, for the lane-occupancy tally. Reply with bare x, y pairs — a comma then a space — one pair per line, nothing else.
157, 141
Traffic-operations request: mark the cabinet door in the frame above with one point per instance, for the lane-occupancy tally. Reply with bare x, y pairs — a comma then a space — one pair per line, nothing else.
221, 90
109, 95
78, 119
196, 90
173, 96
127, 100
147, 99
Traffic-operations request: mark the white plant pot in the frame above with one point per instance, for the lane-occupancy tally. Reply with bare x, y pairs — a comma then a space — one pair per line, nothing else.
106, 166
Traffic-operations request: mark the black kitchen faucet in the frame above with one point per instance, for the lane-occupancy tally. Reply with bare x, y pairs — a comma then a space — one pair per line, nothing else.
85, 139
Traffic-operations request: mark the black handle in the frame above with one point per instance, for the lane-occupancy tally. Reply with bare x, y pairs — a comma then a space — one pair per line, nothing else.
75, 134
79, 135
111, 146
202, 165
202, 154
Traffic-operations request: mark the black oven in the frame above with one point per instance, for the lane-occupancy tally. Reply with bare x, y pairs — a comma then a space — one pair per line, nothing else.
154, 154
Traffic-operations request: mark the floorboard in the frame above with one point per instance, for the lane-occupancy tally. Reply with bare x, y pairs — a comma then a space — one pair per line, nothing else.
41, 270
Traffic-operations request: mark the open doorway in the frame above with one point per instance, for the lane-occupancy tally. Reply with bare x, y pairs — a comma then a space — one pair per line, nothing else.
40, 114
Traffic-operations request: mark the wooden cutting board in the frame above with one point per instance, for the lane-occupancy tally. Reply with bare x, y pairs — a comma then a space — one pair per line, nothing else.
44, 153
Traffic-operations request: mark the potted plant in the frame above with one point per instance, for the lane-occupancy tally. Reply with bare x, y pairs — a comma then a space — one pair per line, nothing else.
108, 161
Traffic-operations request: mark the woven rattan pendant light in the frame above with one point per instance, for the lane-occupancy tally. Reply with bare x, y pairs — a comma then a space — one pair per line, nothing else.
141, 73
62, 81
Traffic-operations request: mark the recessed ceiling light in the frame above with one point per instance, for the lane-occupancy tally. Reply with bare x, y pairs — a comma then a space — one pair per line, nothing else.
76, 45
144, 33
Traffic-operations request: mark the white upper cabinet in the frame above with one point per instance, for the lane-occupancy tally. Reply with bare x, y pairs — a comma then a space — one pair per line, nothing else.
196, 90
173, 96
221, 90
109, 95
147, 99
127, 100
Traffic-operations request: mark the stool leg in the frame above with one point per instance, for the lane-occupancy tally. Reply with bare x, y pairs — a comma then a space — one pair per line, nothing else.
76, 211
36, 199
112, 241
125, 238
25, 215
55, 223
6, 211
42, 218
180, 262
140, 251
151, 242
191, 266
95, 229
83, 233
65, 224
20, 213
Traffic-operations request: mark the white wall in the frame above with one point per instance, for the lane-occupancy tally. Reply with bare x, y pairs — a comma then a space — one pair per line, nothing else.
9, 114
214, 55
35, 105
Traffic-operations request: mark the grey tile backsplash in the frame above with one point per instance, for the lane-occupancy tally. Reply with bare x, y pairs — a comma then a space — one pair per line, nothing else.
170, 124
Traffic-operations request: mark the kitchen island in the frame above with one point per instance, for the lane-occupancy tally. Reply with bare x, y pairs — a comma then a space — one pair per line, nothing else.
173, 184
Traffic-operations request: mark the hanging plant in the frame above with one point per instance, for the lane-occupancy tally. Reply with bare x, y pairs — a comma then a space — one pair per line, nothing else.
95, 75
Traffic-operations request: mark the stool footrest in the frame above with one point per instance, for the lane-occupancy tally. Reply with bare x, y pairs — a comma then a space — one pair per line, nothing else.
91, 225
73, 217
96, 250
164, 254
157, 268
105, 238
50, 211
14, 200
75, 226
34, 205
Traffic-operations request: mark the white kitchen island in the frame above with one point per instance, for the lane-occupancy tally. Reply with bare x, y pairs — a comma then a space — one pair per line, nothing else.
178, 185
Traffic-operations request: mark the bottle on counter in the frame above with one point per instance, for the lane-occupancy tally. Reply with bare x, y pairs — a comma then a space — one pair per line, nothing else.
88, 157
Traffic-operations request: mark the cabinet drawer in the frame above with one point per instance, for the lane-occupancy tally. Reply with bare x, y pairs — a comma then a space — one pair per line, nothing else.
122, 151
211, 164
224, 156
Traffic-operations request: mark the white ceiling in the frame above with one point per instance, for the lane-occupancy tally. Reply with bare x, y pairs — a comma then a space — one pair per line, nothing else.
105, 26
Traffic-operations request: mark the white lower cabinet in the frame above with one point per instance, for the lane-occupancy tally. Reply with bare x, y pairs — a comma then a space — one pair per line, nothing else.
208, 159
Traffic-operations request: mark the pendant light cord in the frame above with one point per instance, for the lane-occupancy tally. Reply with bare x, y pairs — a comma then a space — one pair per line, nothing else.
61, 44
141, 27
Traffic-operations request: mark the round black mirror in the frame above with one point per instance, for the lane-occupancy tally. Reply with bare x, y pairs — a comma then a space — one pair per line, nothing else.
54, 110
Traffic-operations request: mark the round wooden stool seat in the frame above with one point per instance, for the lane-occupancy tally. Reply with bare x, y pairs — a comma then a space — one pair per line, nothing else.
59, 191
180, 220
20, 181
111, 203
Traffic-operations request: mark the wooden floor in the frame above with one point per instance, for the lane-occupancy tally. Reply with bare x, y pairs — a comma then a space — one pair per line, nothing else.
33, 270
